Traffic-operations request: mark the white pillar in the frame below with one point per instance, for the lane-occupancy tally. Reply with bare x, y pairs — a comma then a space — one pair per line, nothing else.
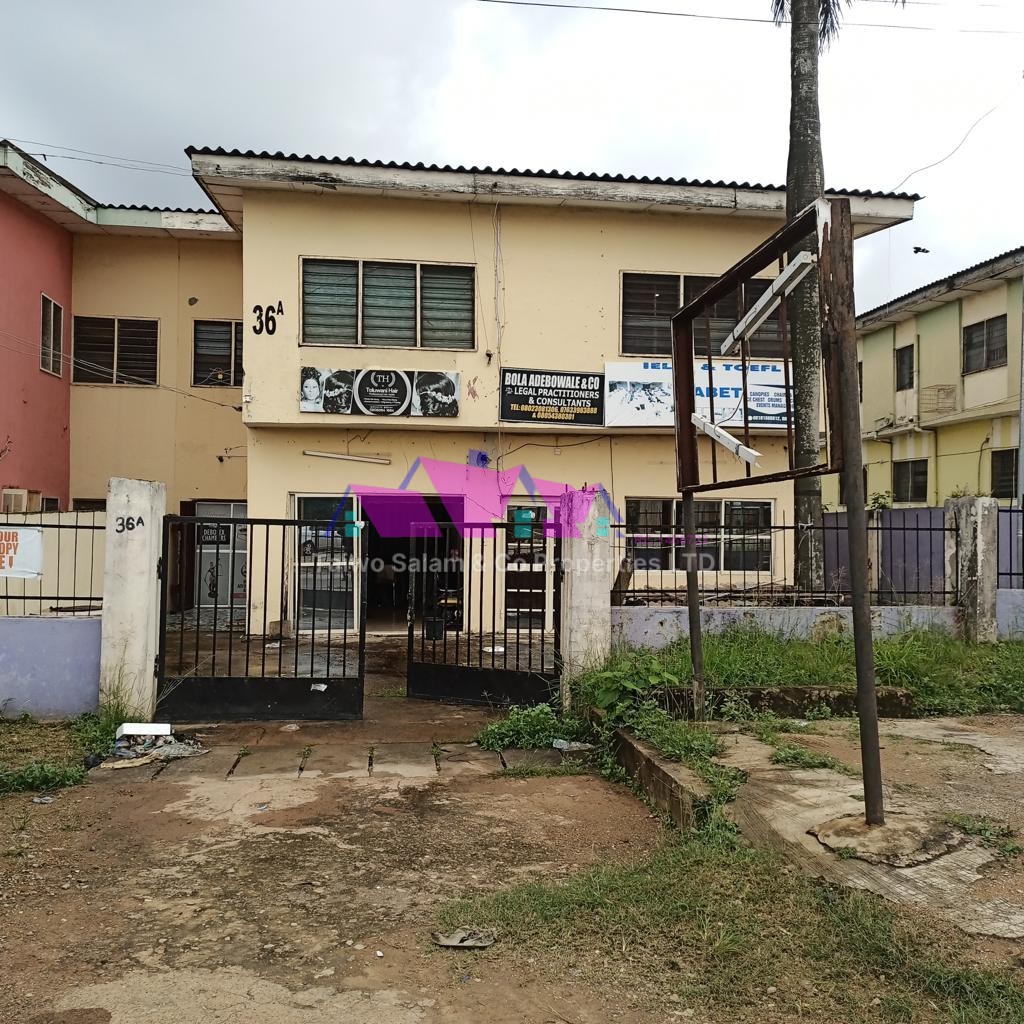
131, 595
586, 631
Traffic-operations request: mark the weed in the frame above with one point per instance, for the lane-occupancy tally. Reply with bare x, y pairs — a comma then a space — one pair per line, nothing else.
716, 922
846, 852
993, 834
528, 727
538, 770
39, 775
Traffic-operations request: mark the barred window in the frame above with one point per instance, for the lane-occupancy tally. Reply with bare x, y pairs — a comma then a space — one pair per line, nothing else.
217, 353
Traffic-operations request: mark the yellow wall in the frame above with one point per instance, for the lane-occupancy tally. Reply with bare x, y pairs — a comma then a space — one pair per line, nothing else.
958, 439
557, 281
158, 433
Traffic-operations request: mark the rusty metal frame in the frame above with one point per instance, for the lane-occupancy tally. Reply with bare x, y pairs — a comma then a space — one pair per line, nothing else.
810, 223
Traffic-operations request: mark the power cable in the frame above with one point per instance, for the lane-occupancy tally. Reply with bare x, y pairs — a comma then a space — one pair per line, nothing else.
739, 18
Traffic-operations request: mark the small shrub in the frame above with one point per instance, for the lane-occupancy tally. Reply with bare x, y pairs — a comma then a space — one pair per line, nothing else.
538, 726
993, 834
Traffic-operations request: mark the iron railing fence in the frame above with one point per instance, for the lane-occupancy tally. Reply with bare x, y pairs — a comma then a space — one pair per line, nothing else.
755, 563
70, 576
1010, 544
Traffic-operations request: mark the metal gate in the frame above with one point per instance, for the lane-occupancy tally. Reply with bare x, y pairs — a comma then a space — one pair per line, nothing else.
484, 611
261, 618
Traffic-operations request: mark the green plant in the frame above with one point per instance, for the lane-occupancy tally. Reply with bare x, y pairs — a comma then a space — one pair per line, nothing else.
993, 834
525, 727
40, 775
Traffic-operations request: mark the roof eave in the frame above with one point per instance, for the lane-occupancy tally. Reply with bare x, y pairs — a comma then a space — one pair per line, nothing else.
980, 278
223, 176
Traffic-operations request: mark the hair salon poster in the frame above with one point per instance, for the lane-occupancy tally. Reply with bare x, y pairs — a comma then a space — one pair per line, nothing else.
639, 394
431, 393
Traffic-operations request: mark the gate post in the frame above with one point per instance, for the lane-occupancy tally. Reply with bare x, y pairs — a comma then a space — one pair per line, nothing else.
972, 560
586, 612
131, 595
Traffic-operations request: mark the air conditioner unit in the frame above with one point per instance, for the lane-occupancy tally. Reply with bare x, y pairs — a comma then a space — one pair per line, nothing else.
15, 499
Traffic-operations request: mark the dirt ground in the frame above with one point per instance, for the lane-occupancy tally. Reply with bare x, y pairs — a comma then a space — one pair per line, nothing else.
193, 895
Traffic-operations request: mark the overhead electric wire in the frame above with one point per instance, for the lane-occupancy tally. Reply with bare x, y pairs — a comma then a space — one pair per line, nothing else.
28, 349
89, 152
741, 18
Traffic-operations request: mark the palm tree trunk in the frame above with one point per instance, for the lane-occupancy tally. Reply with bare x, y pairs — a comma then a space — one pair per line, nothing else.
805, 183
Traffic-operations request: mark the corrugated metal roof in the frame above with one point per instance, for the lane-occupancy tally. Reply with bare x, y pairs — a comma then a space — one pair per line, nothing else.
157, 209
950, 279
393, 165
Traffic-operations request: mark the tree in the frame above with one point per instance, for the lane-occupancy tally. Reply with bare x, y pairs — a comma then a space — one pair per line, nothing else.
813, 24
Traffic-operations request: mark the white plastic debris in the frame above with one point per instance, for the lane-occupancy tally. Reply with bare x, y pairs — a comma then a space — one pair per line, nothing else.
571, 746
143, 729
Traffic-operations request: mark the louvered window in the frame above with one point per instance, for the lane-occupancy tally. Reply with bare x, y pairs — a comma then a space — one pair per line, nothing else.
51, 334
388, 305
217, 353
1004, 473
985, 344
111, 350
648, 304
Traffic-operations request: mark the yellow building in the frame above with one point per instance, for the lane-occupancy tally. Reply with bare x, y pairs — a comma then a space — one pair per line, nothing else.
941, 386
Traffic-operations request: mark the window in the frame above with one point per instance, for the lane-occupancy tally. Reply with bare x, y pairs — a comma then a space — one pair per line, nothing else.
89, 504
217, 353
388, 305
111, 350
648, 304
51, 334
734, 536
1004, 473
51, 504
905, 368
910, 480
985, 344
860, 379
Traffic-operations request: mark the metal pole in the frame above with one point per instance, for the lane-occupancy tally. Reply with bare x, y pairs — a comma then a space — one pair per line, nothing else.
839, 296
693, 606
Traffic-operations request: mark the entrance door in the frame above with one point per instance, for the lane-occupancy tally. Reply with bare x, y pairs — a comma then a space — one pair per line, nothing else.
329, 549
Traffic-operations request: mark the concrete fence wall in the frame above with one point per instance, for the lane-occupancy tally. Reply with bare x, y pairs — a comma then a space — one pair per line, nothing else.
57, 655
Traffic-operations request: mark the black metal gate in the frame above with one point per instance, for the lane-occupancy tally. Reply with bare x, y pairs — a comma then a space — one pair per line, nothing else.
261, 618
484, 611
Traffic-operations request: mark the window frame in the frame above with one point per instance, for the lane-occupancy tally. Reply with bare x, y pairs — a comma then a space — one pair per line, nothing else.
359, 343
907, 384
1014, 455
910, 499
682, 277
238, 325
986, 365
722, 533
114, 382
54, 304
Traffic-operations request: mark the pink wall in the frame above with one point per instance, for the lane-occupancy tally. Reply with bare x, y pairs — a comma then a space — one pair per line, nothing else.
35, 257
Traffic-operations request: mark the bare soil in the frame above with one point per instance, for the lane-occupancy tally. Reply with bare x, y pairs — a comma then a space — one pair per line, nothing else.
190, 895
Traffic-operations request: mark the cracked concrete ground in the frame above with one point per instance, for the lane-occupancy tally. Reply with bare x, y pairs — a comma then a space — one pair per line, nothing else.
934, 770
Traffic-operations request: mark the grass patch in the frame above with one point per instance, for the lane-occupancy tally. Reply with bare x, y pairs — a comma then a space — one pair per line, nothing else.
944, 675
539, 770
993, 834
525, 728
39, 775
715, 924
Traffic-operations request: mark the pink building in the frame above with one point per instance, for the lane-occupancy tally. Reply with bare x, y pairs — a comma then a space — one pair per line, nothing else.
35, 348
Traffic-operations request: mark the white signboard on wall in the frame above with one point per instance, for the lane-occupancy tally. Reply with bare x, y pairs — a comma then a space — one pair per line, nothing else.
21, 552
639, 394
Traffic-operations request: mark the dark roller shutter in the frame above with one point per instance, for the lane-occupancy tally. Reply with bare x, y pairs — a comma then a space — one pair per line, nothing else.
136, 351
94, 350
330, 298
446, 307
389, 304
648, 303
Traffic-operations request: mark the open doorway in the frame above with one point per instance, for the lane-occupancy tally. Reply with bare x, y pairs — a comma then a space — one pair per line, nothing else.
387, 575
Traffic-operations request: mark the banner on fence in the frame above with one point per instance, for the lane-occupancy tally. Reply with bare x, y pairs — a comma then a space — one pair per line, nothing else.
21, 552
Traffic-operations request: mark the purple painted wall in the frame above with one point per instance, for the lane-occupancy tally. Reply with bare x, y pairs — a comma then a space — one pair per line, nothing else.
49, 667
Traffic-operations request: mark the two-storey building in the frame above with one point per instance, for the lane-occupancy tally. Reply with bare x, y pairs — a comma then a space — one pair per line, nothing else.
941, 387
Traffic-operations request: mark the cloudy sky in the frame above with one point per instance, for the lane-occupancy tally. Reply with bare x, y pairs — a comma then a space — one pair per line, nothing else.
465, 81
